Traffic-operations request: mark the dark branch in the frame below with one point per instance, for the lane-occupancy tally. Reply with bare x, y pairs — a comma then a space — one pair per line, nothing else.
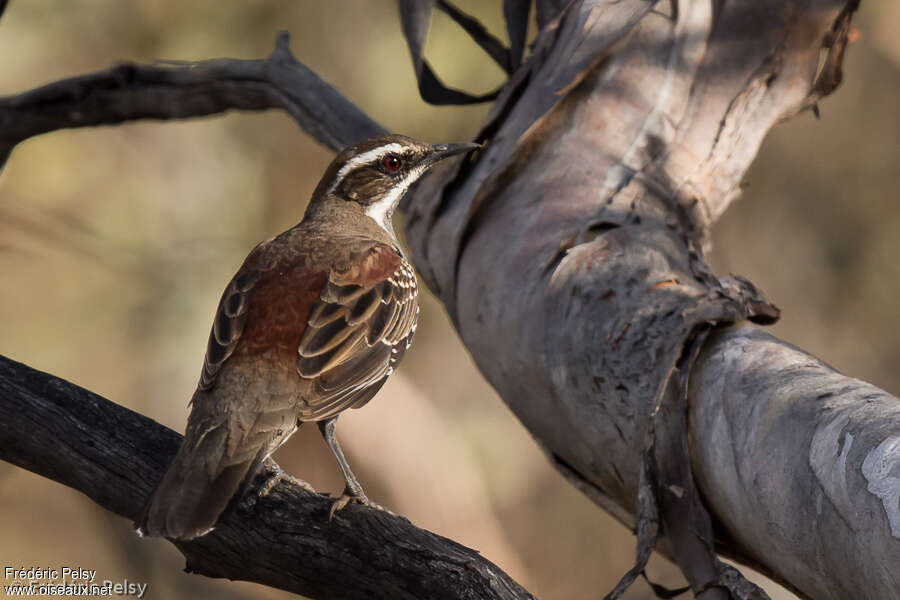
494, 48
129, 92
285, 540
415, 17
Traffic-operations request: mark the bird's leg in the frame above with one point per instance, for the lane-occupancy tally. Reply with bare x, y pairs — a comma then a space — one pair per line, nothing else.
352, 491
280, 475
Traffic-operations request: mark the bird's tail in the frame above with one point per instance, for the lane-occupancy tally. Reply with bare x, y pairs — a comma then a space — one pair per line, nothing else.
197, 487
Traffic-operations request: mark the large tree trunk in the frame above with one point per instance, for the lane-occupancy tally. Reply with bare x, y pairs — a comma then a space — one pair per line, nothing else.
570, 259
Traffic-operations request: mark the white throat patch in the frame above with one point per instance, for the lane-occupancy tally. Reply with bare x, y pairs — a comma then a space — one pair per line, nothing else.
382, 210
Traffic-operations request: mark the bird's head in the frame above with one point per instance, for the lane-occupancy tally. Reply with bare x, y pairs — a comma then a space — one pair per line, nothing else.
376, 173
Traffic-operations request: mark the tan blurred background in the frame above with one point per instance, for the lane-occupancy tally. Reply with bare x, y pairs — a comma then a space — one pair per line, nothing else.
115, 244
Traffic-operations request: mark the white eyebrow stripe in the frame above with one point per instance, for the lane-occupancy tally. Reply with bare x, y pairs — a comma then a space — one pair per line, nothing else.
364, 158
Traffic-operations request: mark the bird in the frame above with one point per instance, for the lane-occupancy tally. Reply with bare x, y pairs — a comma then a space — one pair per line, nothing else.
314, 322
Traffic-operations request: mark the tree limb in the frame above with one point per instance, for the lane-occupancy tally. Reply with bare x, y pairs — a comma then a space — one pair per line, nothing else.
284, 540
801, 465
179, 90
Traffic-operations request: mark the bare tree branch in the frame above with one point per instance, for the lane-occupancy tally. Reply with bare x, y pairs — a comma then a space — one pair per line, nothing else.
179, 90
284, 540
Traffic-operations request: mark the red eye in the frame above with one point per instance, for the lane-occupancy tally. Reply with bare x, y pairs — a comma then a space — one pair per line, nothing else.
391, 163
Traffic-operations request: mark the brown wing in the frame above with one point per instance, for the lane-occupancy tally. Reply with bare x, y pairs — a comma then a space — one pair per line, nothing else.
357, 331
231, 317
263, 309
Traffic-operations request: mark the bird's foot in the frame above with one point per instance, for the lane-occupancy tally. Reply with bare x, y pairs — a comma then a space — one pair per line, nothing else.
279, 476
360, 498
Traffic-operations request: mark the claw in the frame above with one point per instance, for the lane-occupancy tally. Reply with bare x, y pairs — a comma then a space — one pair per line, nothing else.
280, 476
353, 492
348, 496
339, 504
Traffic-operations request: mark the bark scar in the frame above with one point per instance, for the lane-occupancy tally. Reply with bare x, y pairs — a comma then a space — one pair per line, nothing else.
881, 468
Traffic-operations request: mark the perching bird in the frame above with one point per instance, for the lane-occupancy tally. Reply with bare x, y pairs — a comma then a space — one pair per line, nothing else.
313, 323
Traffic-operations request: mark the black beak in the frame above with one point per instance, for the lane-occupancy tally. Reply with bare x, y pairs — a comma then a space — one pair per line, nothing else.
442, 151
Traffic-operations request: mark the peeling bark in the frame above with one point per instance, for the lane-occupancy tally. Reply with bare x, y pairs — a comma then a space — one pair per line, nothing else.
570, 258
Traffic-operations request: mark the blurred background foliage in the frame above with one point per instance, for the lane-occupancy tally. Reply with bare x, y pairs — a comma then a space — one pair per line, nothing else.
115, 244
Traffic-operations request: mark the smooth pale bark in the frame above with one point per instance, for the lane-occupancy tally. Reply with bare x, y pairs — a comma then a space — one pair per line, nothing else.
801, 463
570, 259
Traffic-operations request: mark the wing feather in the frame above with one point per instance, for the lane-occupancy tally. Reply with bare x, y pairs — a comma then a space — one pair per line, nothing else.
229, 322
319, 340
351, 342
365, 307
265, 306
324, 313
